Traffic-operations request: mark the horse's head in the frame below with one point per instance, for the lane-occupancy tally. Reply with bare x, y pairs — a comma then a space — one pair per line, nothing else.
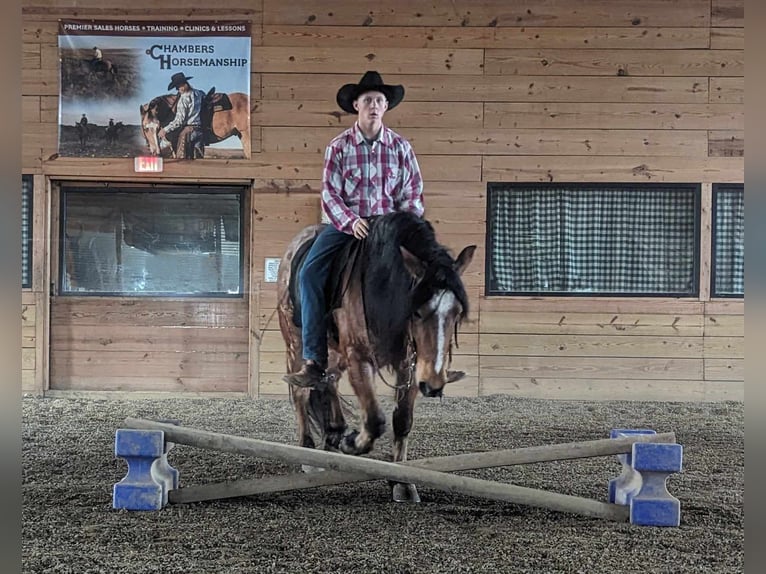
413, 298
439, 304
154, 116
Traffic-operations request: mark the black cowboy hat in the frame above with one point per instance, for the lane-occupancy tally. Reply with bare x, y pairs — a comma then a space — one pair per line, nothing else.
371, 81
177, 79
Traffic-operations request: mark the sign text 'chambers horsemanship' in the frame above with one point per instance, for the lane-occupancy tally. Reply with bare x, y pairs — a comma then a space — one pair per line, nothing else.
120, 83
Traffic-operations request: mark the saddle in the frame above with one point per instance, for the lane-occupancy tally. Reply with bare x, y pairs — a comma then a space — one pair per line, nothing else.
334, 288
212, 102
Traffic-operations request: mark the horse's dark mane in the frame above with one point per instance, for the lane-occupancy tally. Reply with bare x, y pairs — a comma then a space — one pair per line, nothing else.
390, 293
166, 106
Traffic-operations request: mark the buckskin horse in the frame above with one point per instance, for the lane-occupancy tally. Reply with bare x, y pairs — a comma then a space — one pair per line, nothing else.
394, 301
223, 116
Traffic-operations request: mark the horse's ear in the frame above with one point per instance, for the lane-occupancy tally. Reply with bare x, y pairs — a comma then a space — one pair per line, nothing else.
464, 259
413, 264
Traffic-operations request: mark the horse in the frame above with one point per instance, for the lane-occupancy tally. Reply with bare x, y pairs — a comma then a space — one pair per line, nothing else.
395, 299
218, 124
105, 67
83, 133
113, 132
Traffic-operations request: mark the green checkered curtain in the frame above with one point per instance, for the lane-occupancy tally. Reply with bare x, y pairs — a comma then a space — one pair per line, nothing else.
26, 230
729, 241
600, 240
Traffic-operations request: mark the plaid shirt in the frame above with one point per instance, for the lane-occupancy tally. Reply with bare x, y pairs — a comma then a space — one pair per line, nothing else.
361, 180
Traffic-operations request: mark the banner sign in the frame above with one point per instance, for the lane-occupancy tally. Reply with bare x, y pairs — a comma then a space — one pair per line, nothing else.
179, 89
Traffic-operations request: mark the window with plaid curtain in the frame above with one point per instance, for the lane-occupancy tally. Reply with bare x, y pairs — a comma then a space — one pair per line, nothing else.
26, 231
728, 270
596, 239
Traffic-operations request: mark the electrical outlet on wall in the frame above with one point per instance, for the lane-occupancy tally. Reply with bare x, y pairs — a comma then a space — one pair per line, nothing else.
271, 269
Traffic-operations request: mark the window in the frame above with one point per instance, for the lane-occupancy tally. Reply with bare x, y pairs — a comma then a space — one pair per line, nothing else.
592, 239
27, 187
135, 242
728, 269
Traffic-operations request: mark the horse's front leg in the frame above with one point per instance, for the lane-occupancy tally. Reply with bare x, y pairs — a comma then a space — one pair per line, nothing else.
360, 374
246, 142
335, 425
406, 393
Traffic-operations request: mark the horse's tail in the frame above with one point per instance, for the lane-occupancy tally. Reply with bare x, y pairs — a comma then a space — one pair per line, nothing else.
318, 409
321, 417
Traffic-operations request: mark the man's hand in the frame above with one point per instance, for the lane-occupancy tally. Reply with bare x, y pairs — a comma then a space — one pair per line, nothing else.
360, 228
161, 133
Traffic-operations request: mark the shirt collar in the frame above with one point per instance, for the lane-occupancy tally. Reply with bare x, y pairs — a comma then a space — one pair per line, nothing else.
384, 138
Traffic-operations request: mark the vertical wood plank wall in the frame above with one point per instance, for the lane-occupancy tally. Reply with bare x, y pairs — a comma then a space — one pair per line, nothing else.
551, 90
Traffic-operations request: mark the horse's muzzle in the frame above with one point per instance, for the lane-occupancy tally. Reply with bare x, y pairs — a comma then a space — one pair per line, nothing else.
427, 391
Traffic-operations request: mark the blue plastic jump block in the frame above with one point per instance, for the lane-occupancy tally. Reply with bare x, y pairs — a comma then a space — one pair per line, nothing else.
654, 506
643, 482
622, 488
149, 477
657, 457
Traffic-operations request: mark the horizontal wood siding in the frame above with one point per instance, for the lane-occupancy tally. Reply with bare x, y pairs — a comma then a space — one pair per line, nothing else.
544, 91
29, 342
148, 345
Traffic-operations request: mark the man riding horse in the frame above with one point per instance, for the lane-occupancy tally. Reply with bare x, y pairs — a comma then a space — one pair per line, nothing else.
369, 170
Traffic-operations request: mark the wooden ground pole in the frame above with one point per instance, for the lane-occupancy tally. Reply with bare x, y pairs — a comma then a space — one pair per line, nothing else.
426, 472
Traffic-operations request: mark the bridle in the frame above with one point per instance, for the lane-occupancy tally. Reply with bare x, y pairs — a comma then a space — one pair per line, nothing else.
411, 359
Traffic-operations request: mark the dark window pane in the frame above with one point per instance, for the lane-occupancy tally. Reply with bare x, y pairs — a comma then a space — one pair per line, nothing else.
152, 243
728, 240
592, 239
26, 230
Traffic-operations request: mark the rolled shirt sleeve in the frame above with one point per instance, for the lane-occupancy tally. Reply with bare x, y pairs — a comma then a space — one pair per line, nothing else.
411, 195
341, 217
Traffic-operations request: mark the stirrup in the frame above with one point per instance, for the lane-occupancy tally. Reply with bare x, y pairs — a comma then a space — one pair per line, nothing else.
310, 376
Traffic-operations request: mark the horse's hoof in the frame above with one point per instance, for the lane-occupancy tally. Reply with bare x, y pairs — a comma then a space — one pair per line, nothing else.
402, 492
332, 441
348, 443
308, 469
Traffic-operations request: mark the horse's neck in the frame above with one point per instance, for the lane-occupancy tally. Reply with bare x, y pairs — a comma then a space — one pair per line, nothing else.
172, 103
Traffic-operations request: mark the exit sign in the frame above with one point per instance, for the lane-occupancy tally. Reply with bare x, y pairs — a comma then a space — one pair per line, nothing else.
149, 163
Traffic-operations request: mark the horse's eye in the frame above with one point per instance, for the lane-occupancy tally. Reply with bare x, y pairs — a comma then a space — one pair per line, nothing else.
417, 315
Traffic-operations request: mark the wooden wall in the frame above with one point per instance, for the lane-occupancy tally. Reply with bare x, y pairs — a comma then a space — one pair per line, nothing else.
551, 90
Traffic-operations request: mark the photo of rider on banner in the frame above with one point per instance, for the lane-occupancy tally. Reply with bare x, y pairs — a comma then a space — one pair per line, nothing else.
174, 89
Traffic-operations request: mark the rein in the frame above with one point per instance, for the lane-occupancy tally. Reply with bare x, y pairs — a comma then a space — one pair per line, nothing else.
412, 360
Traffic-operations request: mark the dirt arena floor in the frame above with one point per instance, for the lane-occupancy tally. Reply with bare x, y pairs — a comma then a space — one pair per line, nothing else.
69, 469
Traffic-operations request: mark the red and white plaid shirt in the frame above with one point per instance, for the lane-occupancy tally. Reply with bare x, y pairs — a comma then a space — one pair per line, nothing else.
361, 180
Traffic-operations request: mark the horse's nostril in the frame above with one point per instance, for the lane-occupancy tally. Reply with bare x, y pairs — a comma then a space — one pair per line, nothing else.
427, 391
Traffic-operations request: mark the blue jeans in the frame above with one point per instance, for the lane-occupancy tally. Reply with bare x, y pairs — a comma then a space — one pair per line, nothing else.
313, 279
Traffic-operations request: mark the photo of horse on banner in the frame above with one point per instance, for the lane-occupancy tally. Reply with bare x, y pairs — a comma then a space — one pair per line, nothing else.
223, 116
108, 69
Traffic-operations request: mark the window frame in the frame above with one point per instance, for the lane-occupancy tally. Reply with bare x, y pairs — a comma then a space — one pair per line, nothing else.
495, 187
718, 187
180, 189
